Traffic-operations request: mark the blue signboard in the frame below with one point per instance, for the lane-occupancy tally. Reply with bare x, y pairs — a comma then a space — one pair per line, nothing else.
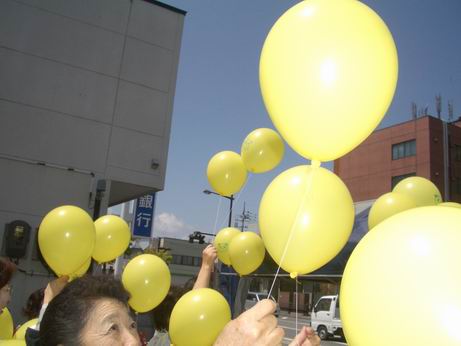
143, 217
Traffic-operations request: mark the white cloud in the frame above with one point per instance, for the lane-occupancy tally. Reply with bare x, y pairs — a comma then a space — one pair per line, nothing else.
169, 225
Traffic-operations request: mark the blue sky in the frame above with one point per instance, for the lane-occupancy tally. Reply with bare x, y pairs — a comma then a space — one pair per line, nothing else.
218, 100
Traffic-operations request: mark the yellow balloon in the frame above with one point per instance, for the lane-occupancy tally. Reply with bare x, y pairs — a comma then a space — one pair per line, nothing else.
147, 279
21, 332
246, 252
328, 72
387, 205
13, 342
262, 150
450, 204
226, 173
81, 271
6, 324
198, 318
389, 275
312, 209
112, 238
66, 238
421, 190
222, 241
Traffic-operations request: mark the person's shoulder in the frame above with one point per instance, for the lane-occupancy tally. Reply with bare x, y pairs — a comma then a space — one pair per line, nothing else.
32, 337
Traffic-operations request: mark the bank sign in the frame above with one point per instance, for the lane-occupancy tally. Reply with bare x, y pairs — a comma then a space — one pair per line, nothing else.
144, 216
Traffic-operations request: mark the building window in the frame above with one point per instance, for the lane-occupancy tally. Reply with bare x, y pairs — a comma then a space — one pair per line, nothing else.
404, 149
187, 260
398, 178
458, 152
197, 261
176, 259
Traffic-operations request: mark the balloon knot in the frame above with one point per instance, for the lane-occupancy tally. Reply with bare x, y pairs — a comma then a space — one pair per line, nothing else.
316, 163
293, 275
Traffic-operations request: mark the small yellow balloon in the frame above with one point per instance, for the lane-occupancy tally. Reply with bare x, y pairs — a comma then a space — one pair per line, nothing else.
198, 318
246, 252
312, 209
81, 271
387, 205
450, 204
112, 238
226, 173
222, 241
147, 279
262, 150
66, 238
328, 72
6, 324
21, 332
421, 190
388, 275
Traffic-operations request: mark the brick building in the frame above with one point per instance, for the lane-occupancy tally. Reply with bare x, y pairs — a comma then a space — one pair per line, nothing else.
426, 147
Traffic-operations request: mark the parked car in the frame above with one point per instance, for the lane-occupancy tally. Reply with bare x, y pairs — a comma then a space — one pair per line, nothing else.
255, 297
326, 319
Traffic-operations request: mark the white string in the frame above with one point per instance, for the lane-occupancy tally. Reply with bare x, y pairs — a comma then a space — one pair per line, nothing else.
308, 188
296, 311
236, 199
217, 214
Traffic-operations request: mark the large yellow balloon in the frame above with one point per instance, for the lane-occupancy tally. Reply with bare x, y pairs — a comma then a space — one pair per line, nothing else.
246, 252
387, 205
450, 204
66, 238
198, 318
262, 150
147, 279
222, 241
112, 238
313, 204
328, 72
13, 342
226, 173
403, 280
21, 332
82, 270
6, 324
421, 190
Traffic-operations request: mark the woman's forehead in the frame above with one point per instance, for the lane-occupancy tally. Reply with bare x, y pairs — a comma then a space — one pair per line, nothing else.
108, 307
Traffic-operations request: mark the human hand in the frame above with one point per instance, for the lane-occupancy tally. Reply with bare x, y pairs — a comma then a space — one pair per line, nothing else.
54, 288
209, 255
306, 337
255, 327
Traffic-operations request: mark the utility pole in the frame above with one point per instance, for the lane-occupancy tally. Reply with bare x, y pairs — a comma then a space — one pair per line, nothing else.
245, 216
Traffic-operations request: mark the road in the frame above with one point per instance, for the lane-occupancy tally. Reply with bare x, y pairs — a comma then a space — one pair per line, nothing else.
288, 323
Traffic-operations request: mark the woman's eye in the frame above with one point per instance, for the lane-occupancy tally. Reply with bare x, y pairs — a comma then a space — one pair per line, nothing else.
113, 328
133, 325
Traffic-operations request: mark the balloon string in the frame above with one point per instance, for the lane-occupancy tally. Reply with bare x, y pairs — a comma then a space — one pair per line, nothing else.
217, 215
306, 192
296, 309
236, 199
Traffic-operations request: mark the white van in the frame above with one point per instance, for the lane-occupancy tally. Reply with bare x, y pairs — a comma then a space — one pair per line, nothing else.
325, 317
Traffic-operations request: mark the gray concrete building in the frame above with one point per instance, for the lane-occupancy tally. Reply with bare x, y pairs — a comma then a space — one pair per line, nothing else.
86, 98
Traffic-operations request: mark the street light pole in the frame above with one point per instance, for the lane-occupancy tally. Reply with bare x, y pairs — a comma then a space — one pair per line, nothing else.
230, 198
230, 211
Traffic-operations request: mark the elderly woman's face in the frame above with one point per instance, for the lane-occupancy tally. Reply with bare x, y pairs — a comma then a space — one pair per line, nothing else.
110, 324
5, 296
